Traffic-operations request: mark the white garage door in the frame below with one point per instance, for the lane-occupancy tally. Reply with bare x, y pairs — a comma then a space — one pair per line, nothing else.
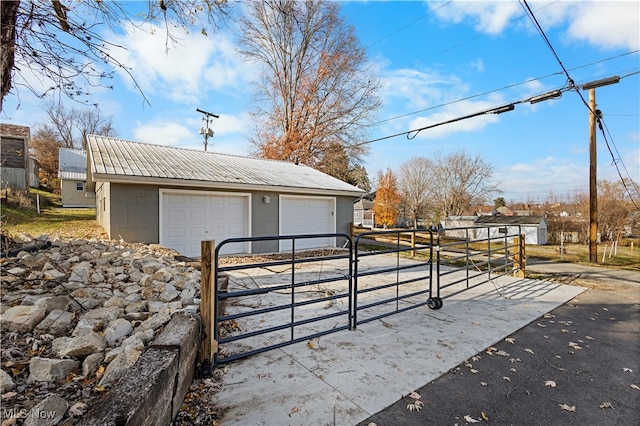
307, 215
189, 217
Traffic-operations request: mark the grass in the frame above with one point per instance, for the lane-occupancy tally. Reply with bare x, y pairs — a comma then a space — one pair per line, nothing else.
20, 216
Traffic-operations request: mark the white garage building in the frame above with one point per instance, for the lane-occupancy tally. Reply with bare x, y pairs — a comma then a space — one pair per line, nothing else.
178, 197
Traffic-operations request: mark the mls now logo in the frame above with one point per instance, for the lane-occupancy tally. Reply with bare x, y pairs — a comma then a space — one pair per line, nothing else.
14, 413
22, 413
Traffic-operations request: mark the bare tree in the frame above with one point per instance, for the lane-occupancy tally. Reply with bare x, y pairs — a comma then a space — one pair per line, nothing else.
62, 42
614, 208
414, 183
385, 205
71, 126
318, 88
460, 181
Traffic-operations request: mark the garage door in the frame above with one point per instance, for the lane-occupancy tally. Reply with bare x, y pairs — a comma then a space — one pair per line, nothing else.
307, 215
189, 217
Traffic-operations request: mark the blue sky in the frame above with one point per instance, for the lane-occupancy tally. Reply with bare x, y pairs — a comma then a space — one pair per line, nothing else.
437, 61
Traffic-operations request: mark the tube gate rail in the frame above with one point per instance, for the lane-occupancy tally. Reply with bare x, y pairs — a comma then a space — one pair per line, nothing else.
293, 296
483, 252
289, 312
411, 281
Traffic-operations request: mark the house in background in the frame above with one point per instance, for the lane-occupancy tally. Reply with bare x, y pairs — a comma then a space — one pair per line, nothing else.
533, 227
72, 171
179, 197
17, 169
460, 226
363, 213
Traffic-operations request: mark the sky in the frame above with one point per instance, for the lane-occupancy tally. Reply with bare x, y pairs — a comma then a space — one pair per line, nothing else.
437, 61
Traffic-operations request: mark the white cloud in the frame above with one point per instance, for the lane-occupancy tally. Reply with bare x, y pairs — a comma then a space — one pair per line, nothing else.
538, 178
161, 132
194, 65
490, 17
604, 24
607, 24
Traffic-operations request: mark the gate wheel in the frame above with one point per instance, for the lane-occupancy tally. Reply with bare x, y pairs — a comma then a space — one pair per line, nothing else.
432, 303
439, 302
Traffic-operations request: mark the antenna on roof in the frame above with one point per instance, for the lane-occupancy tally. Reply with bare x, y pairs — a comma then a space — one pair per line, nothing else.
206, 132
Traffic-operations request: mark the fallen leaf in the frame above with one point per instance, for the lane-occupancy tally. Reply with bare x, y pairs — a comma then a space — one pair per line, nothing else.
574, 345
295, 409
510, 340
506, 378
605, 309
475, 358
636, 387
529, 350
416, 406
100, 388
77, 409
372, 424
550, 383
627, 370
567, 408
589, 338
547, 316
541, 325
483, 383
512, 370
414, 395
9, 395
473, 371
484, 416
502, 353
606, 405
470, 419
100, 372
564, 330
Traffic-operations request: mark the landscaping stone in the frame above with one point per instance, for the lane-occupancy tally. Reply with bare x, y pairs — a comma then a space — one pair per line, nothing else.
117, 330
56, 323
6, 381
48, 412
50, 369
97, 304
22, 318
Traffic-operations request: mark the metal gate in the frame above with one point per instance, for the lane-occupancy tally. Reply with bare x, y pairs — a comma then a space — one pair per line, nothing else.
279, 299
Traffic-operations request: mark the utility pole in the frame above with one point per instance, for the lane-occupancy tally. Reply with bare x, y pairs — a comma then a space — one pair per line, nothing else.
206, 132
593, 180
594, 116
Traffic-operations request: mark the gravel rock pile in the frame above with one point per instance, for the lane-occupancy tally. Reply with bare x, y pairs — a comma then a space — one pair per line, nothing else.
76, 314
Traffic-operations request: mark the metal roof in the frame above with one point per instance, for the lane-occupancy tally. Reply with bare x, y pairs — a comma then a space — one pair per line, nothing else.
72, 164
510, 220
117, 160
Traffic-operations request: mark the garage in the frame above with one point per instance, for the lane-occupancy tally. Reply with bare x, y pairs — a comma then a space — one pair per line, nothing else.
307, 215
189, 217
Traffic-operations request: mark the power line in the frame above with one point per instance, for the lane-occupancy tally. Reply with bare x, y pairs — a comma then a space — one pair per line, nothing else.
411, 134
571, 85
509, 86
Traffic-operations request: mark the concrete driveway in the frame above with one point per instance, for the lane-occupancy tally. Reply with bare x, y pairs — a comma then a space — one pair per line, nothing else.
345, 377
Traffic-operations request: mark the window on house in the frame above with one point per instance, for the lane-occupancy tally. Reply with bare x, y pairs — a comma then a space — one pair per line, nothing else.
79, 186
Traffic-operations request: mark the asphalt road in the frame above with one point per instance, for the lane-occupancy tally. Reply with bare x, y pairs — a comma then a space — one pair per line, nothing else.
577, 365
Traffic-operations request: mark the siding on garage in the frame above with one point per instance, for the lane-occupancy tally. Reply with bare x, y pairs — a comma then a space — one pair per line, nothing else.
264, 218
131, 212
